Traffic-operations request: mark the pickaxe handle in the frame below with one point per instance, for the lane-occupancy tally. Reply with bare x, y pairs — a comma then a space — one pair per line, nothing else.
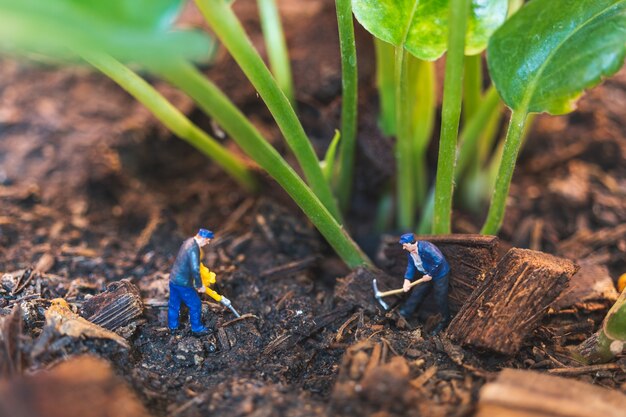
401, 290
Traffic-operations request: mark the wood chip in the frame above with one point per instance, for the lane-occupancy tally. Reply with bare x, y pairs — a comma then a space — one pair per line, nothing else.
531, 394
511, 301
80, 387
119, 306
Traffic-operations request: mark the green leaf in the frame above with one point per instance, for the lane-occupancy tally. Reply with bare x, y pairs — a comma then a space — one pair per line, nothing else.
131, 30
550, 51
421, 26
328, 164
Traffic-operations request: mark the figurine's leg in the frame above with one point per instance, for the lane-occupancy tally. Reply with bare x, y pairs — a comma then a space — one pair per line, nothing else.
173, 309
192, 300
440, 286
415, 298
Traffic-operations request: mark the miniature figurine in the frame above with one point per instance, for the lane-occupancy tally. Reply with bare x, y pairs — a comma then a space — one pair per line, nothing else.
427, 259
185, 280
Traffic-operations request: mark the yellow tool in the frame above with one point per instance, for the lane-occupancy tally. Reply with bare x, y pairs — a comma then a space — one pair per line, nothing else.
208, 279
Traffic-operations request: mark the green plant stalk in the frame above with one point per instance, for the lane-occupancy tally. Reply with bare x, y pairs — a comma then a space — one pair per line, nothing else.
469, 142
385, 81
172, 118
493, 167
228, 28
490, 107
405, 193
328, 164
451, 114
608, 342
384, 211
472, 86
423, 107
276, 46
510, 151
488, 136
477, 185
349, 80
217, 105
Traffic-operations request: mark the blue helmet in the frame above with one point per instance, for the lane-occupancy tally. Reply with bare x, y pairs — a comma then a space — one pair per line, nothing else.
407, 238
205, 234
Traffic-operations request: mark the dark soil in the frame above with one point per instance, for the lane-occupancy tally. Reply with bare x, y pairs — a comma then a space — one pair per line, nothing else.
94, 190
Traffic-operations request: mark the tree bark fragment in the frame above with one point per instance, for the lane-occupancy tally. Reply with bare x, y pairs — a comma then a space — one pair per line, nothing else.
518, 393
511, 301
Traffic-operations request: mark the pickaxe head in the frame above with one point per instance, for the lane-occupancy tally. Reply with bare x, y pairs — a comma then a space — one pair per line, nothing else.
377, 295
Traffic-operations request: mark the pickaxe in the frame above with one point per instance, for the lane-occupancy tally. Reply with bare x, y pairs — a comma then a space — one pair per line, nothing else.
379, 295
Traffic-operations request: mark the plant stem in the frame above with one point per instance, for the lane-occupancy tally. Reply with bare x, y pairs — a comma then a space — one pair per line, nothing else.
218, 106
171, 117
228, 28
471, 133
472, 86
423, 105
451, 113
276, 46
505, 173
349, 80
385, 81
466, 150
404, 150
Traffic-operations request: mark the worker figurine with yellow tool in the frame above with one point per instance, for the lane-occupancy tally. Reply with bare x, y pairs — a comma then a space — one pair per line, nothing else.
426, 259
188, 277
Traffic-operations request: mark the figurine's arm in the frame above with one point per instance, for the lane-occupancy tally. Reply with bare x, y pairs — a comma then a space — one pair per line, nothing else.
194, 259
410, 269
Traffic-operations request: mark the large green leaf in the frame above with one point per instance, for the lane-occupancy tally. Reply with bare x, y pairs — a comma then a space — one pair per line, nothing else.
136, 30
422, 25
548, 53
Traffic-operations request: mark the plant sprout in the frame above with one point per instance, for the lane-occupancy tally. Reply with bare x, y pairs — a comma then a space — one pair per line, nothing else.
609, 341
276, 47
421, 28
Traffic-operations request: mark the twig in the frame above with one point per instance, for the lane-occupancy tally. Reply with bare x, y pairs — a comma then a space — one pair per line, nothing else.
243, 317
29, 273
289, 267
584, 369
344, 326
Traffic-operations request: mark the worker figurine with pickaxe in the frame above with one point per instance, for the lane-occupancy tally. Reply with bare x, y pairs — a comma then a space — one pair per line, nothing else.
186, 280
426, 259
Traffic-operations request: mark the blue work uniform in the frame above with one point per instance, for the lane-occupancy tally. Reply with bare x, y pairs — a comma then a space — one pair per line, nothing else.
428, 261
184, 279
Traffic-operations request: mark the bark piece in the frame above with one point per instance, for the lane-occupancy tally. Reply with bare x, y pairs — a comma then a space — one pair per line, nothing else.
511, 301
80, 387
470, 258
591, 283
118, 306
531, 394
